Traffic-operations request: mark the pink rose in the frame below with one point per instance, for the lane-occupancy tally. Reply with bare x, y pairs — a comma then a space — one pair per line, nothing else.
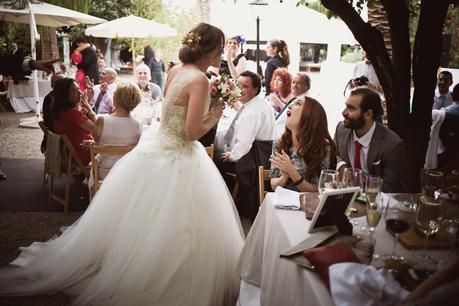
213, 91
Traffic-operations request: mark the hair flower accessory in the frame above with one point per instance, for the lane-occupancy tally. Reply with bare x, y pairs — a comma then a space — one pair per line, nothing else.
240, 39
191, 38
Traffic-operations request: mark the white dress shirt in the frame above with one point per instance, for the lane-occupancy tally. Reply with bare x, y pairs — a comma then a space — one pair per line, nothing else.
437, 100
106, 103
255, 122
365, 142
279, 127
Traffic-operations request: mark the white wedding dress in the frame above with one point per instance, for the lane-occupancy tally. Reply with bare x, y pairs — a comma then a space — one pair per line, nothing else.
162, 230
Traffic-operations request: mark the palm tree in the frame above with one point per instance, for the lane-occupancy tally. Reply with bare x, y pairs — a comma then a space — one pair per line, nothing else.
377, 17
203, 7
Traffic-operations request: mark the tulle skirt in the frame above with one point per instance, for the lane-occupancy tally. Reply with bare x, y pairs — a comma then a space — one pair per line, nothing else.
162, 230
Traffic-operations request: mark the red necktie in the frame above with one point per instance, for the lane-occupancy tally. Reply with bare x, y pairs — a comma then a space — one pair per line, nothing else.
358, 149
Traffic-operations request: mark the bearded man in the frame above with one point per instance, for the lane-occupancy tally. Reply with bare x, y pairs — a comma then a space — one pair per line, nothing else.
364, 143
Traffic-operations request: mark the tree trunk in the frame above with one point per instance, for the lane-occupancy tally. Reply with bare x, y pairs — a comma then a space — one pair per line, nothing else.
426, 60
377, 17
49, 48
203, 7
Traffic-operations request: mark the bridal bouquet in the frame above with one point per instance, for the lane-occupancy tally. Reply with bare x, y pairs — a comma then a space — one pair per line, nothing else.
224, 90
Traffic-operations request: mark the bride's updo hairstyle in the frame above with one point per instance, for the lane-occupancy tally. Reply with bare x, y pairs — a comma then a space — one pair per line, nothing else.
200, 40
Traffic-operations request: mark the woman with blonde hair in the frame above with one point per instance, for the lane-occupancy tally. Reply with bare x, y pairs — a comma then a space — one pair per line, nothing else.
304, 149
279, 57
118, 128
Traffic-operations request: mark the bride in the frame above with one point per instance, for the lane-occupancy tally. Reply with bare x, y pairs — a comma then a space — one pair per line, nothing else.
163, 229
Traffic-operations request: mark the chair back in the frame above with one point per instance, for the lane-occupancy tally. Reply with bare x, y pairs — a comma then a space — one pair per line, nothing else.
109, 150
263, 177
68, 162
210, 151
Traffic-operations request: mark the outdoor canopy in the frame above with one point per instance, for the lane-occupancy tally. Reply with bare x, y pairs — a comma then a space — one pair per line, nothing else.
48, 15
131, 26
43, 14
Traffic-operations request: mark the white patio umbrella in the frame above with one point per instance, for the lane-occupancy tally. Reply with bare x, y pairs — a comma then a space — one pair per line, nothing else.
131, 26
47, 15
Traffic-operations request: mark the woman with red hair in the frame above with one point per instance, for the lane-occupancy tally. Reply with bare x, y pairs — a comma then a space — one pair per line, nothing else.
280, 89
304, 149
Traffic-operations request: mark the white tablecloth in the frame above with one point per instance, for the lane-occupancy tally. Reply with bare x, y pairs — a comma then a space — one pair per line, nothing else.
269, 280
21, 95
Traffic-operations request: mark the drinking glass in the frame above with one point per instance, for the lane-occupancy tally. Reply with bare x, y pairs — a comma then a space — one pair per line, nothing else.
431, 183
373, 185
328, 180
398, 220
352, 178
374, 211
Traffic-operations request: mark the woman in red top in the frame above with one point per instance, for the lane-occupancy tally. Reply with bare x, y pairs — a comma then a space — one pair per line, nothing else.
72, 118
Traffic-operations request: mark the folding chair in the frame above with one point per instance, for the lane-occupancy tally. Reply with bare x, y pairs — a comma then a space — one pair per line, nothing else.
110, 150
69, 163
210, 151
44, 129
263, 177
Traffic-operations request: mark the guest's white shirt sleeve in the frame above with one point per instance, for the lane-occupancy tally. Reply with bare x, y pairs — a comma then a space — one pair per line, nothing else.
246, 130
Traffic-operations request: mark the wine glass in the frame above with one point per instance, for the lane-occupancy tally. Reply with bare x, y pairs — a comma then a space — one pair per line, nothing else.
352, 178
398, 220
328, 180
374, 212
373, 185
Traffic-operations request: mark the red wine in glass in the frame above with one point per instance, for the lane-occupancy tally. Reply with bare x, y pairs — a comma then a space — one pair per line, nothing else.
397, 226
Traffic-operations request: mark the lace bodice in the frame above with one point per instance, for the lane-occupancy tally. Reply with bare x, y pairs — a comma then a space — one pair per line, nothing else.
173, 118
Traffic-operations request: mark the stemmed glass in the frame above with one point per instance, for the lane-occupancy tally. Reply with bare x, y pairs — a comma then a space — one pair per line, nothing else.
430, 209
352, 178
374, 206
328, 180
398, 220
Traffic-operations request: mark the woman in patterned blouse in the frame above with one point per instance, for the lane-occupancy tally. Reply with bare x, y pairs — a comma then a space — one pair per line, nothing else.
304, 149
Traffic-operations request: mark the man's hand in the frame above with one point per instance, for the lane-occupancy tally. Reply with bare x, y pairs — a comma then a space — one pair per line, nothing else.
104, 87
46, 65
225, 156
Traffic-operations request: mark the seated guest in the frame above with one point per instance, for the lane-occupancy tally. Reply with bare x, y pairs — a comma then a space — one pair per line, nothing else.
281, 92
102, 94
253, 121
304, 149
301, 83
143, 77
363, 143
73, 116
452, 111
118, 128
47, 104
443, 97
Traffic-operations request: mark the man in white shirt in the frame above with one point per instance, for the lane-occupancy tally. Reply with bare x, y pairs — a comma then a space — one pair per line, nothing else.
301, 83
365, 68
102, 99
363, 143
443, 97
254, 120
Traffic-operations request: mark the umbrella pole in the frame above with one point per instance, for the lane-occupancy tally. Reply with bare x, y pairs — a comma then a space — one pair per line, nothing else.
133, 55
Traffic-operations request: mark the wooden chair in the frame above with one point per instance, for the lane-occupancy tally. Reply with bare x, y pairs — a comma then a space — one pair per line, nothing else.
263, 177
44, 129
71, 166
210, 151
109, 150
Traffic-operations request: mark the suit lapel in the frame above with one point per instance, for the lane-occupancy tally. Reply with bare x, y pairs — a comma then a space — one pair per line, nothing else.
347, 134
375, 146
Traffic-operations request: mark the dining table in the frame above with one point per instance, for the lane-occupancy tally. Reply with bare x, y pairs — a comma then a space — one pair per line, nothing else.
267, 279
21, 94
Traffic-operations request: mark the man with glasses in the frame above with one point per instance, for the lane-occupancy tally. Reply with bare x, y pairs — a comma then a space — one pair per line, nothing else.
301, 83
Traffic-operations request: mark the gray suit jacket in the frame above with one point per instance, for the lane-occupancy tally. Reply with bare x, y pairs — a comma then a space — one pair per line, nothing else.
385, 155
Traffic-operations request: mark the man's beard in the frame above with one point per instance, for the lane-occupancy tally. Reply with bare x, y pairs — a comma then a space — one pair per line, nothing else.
354, 124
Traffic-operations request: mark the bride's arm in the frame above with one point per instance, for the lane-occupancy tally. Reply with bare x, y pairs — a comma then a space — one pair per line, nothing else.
196, 123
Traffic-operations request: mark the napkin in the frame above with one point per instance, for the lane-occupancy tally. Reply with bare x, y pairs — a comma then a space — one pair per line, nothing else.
357, 284
323, 257
286, 199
